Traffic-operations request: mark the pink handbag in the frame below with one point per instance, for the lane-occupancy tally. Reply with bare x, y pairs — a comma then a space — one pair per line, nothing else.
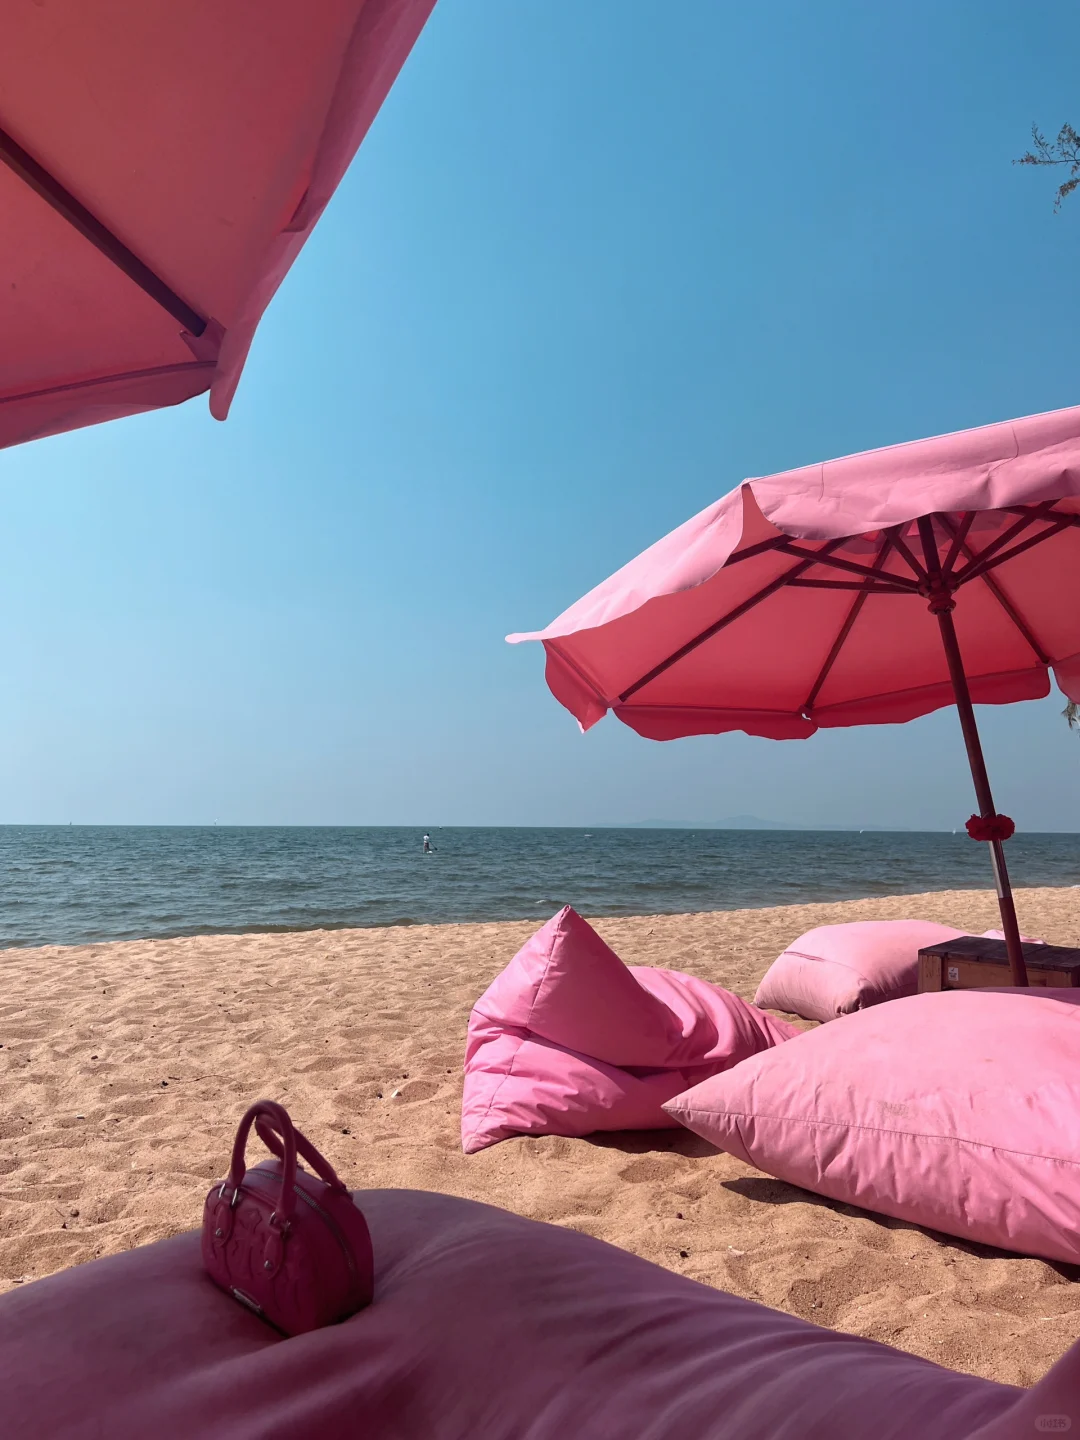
290, 1246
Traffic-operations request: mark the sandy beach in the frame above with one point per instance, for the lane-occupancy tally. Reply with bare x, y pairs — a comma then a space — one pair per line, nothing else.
124, 1069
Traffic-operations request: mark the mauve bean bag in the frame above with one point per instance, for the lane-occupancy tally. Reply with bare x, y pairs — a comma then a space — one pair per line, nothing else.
568, 1040
957, 1110
485, 1326
835, 969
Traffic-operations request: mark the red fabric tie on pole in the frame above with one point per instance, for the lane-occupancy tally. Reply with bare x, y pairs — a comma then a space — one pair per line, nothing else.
988, 828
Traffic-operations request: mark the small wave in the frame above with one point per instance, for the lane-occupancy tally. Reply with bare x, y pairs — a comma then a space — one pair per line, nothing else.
80, 886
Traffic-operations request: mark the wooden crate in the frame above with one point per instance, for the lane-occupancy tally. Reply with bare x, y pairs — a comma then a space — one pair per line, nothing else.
973, 963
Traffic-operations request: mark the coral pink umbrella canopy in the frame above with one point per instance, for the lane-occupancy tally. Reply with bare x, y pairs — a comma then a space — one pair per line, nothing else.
163, 164
802, 600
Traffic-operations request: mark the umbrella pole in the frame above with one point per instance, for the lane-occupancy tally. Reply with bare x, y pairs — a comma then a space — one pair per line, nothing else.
985, 799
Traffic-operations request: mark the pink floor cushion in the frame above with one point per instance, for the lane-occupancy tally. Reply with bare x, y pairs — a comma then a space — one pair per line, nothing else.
485, 1326
956, 1110
568, 1040
835, 969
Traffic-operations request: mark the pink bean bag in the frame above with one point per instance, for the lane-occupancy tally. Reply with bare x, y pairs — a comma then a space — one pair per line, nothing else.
957, 1110
835, 969
485, 1326
568, 1040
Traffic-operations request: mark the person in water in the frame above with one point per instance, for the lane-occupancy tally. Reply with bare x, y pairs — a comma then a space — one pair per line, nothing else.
429, 849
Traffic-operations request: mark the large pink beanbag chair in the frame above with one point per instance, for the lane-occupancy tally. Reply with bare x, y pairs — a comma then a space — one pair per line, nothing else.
485, 1326
835, 969
957, 1110
568, 1040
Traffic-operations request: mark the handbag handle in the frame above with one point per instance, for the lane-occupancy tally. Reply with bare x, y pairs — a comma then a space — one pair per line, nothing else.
268, 1130
277, 1116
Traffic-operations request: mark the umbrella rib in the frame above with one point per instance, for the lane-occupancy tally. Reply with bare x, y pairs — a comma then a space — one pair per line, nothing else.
761, 548
866, 586
725, 620
916, 569
150, 372
821, 558
997, 590
90, 227
959, 535
579, 671
888, 543
984, 562
1045, 511
1028, 517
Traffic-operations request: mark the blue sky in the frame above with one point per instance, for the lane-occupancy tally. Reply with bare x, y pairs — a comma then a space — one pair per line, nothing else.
596, 262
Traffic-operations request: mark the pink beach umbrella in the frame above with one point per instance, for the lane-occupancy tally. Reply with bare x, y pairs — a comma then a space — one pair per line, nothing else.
163, 163
862, 591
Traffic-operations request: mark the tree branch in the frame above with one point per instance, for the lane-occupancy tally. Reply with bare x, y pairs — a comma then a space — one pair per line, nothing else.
1064, 150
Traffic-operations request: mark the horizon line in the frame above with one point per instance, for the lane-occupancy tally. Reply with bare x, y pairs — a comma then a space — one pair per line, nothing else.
757, 828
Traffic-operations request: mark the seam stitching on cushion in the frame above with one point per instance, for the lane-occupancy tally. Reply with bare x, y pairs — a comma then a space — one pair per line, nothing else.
521, 1041
495, 1092
543, 977
880, 1130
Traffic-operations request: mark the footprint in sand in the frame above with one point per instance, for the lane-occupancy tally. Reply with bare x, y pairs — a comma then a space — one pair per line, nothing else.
649, 1167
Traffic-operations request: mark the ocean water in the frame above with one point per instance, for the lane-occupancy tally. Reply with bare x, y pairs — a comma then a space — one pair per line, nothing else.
77, 884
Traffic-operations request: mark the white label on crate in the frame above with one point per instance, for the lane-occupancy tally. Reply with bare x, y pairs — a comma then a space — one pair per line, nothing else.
954, 973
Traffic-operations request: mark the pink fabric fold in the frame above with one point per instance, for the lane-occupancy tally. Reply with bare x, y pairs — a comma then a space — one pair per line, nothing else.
569, 1041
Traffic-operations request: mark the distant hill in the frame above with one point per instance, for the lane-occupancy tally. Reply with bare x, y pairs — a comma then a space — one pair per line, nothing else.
732, 822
